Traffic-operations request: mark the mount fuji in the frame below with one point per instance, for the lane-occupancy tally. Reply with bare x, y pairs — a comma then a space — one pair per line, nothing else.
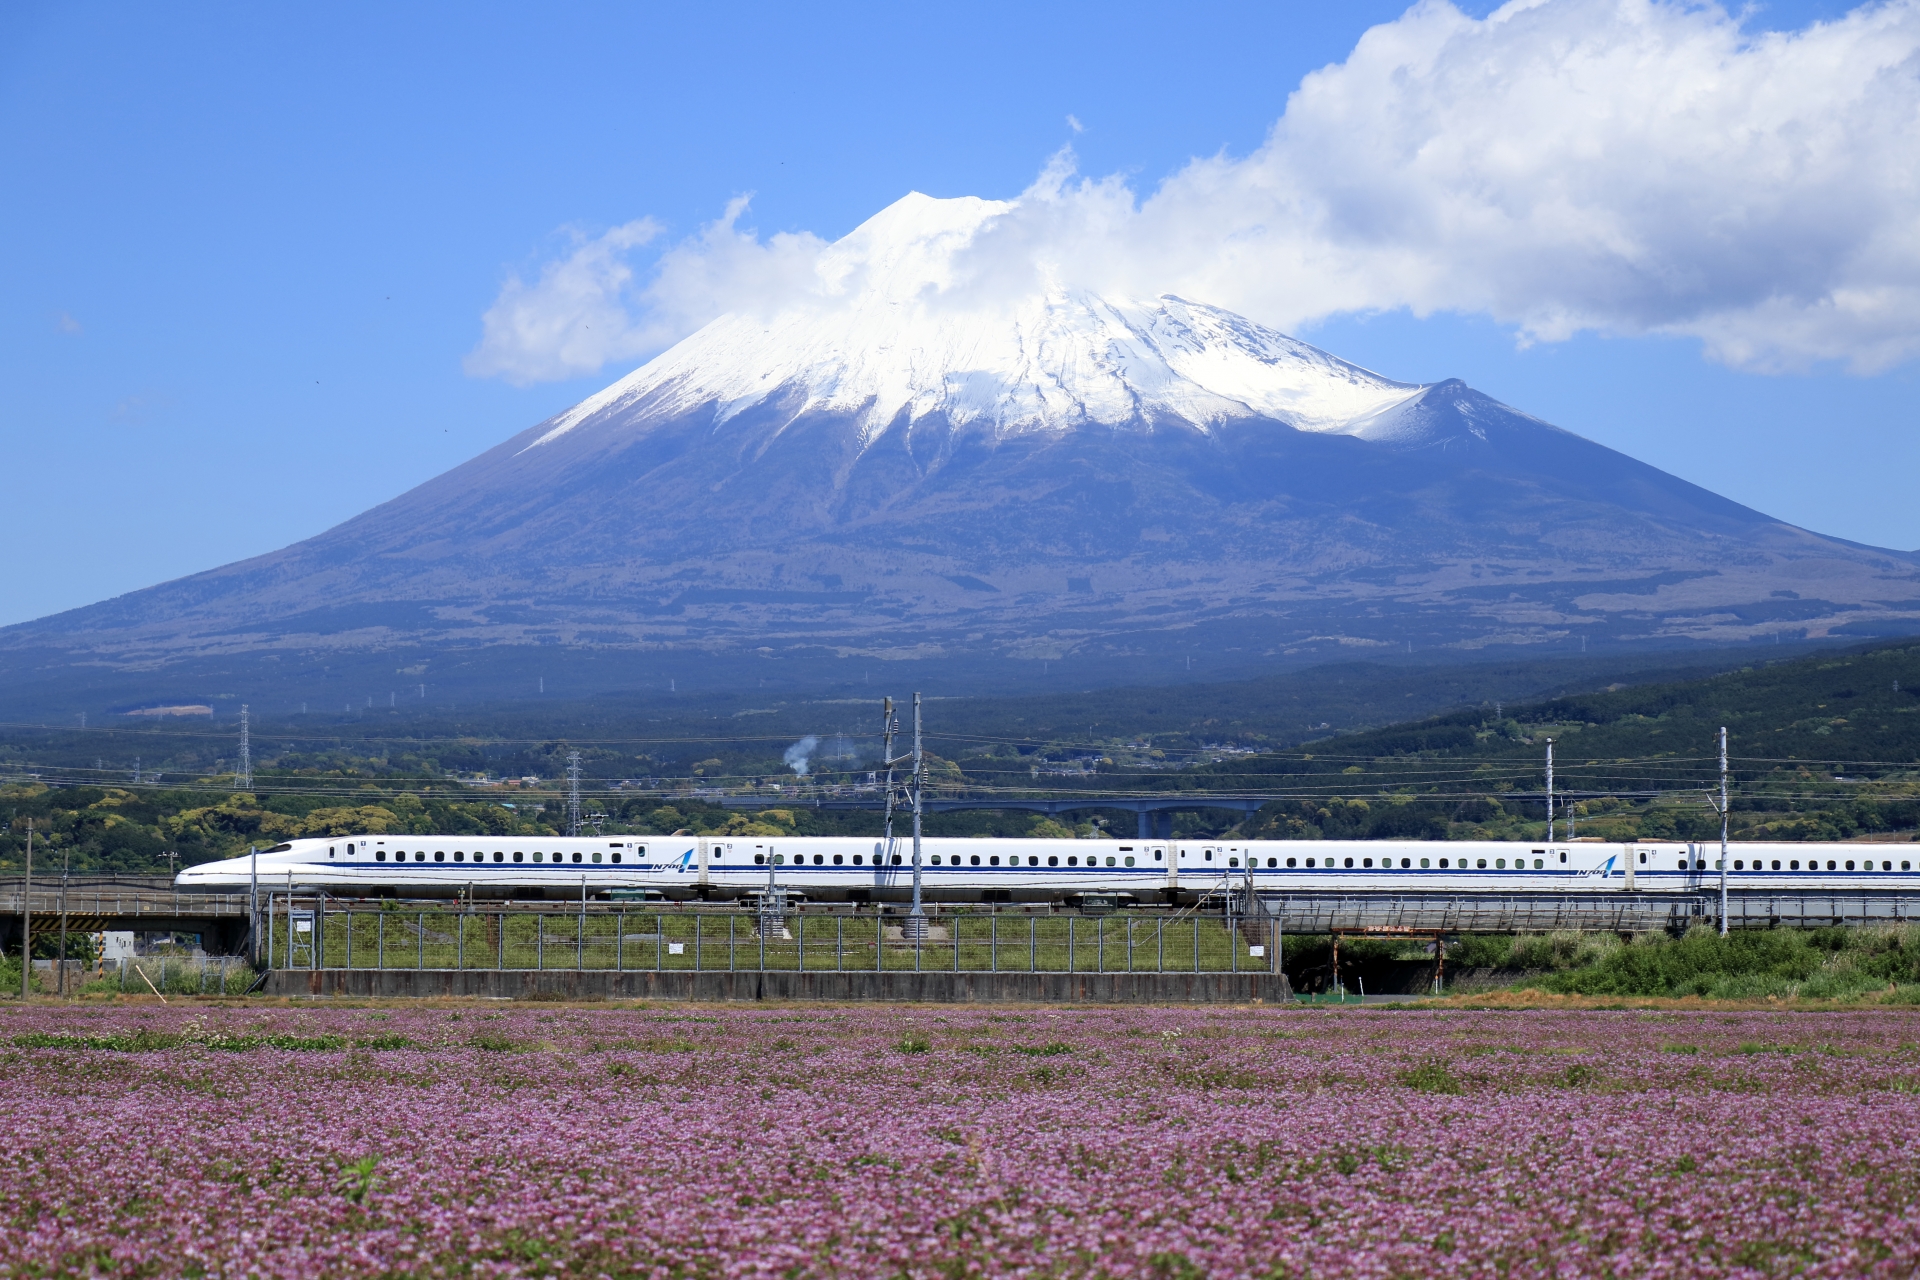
908, 459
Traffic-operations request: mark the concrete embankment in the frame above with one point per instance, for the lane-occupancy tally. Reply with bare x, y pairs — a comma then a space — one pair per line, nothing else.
931, 988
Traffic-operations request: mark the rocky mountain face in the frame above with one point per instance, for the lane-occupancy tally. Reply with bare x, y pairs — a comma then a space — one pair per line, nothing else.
907, 471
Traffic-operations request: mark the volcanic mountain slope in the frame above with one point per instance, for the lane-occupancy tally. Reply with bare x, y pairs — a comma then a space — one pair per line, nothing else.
903, 465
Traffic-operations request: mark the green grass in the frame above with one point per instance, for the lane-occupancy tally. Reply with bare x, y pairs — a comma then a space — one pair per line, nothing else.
646, 940
1746, 964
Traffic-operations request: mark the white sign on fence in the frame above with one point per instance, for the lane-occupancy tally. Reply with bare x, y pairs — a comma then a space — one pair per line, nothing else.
1256, 951
676, 948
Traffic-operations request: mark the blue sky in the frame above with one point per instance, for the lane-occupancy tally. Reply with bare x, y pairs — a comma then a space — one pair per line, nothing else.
248, 248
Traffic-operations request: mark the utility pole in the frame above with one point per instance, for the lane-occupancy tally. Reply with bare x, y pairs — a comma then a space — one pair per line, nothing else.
1549, 790
1725, 816
66, 869
243, 776
889, 725
26, 920
253, 902
573, 793
916, 918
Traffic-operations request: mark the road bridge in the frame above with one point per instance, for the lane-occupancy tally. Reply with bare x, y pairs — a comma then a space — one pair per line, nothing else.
123, 904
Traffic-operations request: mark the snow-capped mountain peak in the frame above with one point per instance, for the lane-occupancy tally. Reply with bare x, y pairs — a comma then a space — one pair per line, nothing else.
911, 318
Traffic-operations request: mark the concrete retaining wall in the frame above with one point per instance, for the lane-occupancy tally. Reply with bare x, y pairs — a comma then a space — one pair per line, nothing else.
932, 988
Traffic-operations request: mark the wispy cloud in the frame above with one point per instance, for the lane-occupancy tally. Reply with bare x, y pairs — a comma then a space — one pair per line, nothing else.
1621, 166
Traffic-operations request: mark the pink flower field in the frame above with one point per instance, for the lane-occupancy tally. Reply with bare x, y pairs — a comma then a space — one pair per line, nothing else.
544, 1140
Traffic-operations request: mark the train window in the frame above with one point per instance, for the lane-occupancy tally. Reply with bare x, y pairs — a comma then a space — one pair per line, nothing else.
1643, 857
936, 859
459, 856
1423, 864
381, 856
1794, 865
995, 859
1849, 864
422, 857
896, 859
759, 858
1236, 861
856, 859
836, 859
1366, 862
1683, 864
1033, 860
576, 858
1830, 864
501, 857
1159, 855
1499, 864
1232, 862
1209, 855
1273, 862
1776, 864
596, 857
1053, 860
1739, 865
616, 857
976, 859
1129, 859
1072, 861
1309, 861
518, 856
329, 851
1406, 862
779, 859
1349, 861
1483, 864
1906, 866
1289, 861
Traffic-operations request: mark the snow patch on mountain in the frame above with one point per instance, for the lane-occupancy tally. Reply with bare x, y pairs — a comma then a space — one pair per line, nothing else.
902, 325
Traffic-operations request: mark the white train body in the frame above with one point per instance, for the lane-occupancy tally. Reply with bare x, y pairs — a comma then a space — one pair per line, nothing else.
865, 869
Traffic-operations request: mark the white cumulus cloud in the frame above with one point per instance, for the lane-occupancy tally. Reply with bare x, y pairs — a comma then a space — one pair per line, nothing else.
1621, 166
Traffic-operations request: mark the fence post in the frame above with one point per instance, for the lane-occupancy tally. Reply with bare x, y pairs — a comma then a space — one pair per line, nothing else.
539, 940
348, 916
420, 939
697, 962
763, 941
993, 942
380, 939
620, 940
501, 939
269, 931
879, 940
1033, 944
1070, 943
800, 936
1128, 921
460, 941
1159, 946
839, 943
732, 941
954, 924
1196, 939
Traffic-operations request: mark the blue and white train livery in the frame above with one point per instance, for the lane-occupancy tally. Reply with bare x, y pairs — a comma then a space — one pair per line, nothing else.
865, 869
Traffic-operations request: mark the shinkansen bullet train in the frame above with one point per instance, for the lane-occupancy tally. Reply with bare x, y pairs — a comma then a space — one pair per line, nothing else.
856, 869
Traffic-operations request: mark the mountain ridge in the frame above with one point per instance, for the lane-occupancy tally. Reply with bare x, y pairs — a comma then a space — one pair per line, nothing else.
911, 470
